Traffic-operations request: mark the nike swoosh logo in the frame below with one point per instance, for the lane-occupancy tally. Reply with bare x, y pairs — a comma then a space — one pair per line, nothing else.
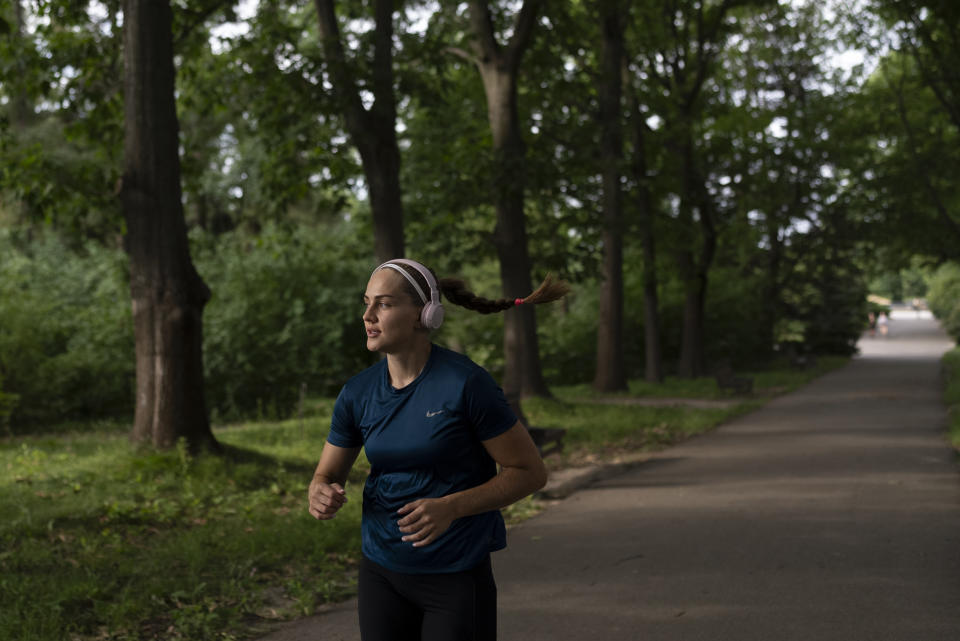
432, 414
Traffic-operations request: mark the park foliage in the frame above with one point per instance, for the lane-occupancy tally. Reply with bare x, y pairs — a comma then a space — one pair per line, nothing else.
943, 297
284, 321
951, 394
809, 182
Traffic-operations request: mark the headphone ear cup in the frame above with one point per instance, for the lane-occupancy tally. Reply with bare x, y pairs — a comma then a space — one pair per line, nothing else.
432, 315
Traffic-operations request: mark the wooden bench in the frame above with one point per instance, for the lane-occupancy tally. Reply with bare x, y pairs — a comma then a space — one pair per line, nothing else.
547, 439
727, 380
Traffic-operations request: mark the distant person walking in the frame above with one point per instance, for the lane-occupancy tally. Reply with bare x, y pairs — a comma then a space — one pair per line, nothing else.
434, 426
883, 322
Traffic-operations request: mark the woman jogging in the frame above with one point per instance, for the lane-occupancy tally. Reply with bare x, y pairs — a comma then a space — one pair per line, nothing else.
435, 426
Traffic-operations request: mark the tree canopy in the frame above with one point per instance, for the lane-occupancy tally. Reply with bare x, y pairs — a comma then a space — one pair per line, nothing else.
709, 162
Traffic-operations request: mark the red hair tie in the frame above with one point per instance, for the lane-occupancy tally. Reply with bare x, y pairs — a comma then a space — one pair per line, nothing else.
518, 301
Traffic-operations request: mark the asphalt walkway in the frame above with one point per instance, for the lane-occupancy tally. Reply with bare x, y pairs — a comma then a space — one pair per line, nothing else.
833, 513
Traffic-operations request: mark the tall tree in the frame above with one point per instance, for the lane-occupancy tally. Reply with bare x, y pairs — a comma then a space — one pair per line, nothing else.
373, 130
643, 202
61, 89
920, 73
929, 31
611, 372
682, 50
923, 164
168, 294
780, 82
499, 68
906, 171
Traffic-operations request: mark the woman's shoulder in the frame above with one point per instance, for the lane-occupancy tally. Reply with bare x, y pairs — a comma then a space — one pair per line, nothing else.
367, 378
456, 369
454, 361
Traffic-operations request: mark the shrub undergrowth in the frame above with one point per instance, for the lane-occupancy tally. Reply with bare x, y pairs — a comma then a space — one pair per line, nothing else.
951, 394
283, 322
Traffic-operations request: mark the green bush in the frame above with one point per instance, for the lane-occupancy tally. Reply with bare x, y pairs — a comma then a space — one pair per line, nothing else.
943, 297
66, 338
826, 290
733, 319
951, 393
567, 330
7, 403
951, 324
285, 312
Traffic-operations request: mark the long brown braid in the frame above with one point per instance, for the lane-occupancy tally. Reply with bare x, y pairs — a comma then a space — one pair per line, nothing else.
457, 293
455, 290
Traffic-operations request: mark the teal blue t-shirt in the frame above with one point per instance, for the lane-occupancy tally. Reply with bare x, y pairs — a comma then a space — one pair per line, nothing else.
424, 441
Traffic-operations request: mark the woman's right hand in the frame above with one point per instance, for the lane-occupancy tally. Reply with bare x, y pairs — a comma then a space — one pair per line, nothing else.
326, 496
325, 499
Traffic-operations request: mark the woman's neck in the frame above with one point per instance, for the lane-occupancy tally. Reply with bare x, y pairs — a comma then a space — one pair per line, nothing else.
404, 367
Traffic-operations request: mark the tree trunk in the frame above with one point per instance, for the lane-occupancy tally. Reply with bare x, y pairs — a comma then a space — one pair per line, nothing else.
168, 295
523, 376
770, 311
381, 166
653, 352
610, 373
689, 68
653, 361
21, 109
696, 269
373, 130
691, 363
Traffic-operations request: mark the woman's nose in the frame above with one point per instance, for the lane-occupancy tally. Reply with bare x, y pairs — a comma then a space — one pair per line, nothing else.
367, 313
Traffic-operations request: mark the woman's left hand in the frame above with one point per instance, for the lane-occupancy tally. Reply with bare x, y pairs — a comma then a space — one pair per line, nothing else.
424, 520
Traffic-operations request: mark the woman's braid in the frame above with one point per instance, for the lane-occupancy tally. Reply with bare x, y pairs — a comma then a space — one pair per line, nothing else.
457, 293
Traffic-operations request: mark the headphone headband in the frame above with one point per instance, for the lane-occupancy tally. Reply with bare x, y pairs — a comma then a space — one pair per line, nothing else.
432, 314
405, 274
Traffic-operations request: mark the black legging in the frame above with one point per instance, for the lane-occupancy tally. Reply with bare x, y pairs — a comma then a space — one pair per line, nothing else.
461, 606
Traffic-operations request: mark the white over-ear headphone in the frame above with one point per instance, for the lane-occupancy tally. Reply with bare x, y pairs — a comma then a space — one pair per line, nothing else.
431, 316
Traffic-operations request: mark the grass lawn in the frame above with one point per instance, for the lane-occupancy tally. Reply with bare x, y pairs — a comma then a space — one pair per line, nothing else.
100, 541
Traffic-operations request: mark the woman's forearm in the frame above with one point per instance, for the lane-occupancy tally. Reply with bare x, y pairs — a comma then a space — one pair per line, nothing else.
522, 472
506, 488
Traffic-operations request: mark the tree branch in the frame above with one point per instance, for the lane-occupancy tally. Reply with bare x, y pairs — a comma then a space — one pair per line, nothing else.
344, 82
952, 225
384, 104
928, 74
483, 41
461, 53
526, 21
199, 17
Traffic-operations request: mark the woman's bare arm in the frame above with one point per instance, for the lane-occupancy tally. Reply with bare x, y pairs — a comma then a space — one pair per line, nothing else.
326, 494
522, 472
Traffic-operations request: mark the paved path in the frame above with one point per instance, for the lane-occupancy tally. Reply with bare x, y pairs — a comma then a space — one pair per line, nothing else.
832, 514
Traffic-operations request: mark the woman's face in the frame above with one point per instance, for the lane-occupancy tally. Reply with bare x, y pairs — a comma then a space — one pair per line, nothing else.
390, 317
